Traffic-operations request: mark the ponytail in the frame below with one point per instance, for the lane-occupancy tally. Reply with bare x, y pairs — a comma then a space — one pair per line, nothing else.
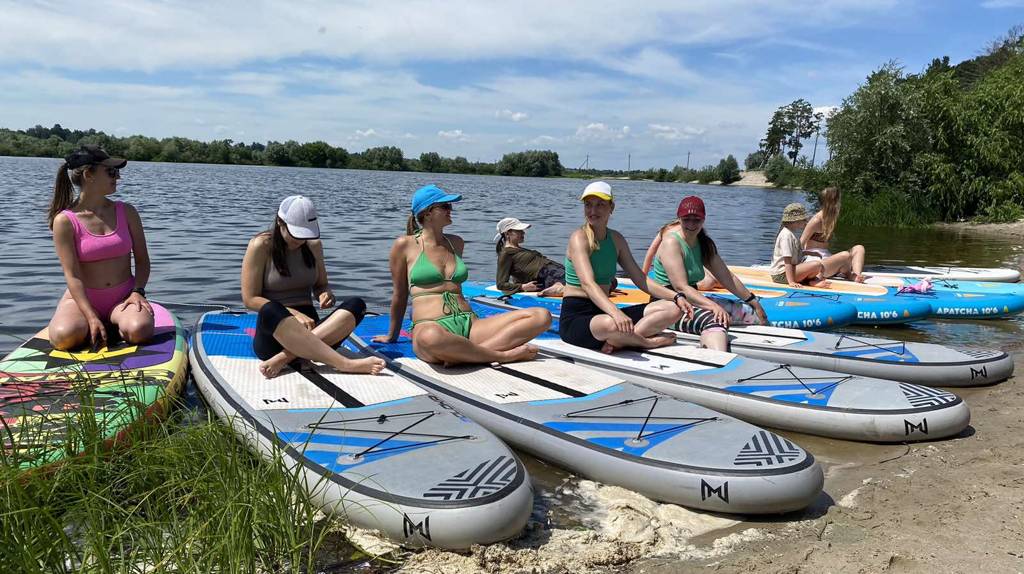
592, 244
62, 187
412, 225
501, 244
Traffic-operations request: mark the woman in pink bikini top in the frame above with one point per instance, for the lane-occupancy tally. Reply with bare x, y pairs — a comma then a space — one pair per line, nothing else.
95, 239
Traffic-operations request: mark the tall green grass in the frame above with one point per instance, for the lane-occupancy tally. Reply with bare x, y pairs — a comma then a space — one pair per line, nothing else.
885, 209
177, 498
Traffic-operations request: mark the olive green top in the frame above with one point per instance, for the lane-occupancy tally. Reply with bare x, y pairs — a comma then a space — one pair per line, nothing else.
603, 261
693, 262
517, 265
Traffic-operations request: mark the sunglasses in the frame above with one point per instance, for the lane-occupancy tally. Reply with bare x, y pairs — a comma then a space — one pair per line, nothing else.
444, 206
113, 172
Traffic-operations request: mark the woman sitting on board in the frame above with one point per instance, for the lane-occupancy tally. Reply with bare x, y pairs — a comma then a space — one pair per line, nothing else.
282, 270
788, 265
816, 236
589, 317
521, 269
427, 264
680, 264
96, 240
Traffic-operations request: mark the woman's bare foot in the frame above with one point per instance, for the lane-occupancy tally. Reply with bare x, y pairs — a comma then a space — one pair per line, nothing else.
368, 365
858, 278
661, 340
520, 353
272, 366
819, 282
608, 349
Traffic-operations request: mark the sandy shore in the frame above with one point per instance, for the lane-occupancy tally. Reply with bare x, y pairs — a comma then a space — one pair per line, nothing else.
947, 506
1001, 229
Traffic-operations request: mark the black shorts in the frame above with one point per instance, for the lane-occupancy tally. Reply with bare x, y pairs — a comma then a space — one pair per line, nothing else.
574, 321
550, 274
270, 316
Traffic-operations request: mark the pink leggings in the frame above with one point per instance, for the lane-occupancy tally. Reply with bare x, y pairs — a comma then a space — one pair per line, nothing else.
104, 300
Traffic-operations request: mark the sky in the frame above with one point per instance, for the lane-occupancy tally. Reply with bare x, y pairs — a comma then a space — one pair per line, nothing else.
637, 83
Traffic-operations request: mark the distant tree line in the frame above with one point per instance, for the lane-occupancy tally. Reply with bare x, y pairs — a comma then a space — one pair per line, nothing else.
59, 141
943, 144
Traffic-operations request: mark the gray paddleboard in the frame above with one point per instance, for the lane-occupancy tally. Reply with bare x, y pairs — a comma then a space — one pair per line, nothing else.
783, 396
604, 428
379, 451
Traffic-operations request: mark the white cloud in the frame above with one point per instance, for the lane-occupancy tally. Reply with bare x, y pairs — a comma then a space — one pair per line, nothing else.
654, 64
510, 115
1003, 4
453, 135
152, 35
253, 84
363, 134
599, 132
672, 133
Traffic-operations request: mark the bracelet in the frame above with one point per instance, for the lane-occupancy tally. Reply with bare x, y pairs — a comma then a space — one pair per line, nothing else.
140, 291
676, 298
753, 296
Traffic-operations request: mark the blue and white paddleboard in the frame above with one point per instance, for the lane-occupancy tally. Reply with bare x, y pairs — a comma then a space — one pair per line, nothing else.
377, 451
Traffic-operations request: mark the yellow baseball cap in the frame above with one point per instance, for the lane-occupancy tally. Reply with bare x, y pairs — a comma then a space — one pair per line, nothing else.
598, 189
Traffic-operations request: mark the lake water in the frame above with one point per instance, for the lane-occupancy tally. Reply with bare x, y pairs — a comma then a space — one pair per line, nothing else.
198, 219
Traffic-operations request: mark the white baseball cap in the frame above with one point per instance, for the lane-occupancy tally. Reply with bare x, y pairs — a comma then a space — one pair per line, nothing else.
598, 189
299, 215
508, 224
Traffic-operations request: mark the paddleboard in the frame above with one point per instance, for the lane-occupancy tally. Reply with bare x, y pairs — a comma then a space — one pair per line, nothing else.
783, 309
378, 451
602, 427
778, 395
963, 299
45, 393
875, 304
987, 287
944, 272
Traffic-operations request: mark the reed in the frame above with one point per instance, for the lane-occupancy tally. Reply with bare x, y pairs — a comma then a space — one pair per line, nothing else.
173, 497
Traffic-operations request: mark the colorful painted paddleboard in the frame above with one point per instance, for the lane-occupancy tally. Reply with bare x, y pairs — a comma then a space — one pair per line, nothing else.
778, 395
45, 393
783, 310
379, 451
604, 428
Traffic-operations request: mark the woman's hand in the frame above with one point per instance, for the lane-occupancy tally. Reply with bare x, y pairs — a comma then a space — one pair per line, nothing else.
303, 319
721, 317
623, 323
685, 307
759, 310
137, 299
383, 339
97, 332
530, 287
326, 299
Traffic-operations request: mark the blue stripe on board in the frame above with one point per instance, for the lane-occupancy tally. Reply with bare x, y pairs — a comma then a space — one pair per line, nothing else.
622, 443
349, 445
598, 394
802, 397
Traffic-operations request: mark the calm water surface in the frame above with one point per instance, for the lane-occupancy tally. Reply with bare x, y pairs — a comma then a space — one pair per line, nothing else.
198, 219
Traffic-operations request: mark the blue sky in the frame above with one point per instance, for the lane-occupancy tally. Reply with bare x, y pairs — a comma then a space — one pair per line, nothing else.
649, 79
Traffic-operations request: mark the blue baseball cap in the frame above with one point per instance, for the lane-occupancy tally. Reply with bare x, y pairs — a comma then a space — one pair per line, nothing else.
429, 195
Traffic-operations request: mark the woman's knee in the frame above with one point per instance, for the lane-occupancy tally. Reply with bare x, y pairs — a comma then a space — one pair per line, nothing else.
857, 250
540, 317
356, 306
428, 336
67, 336
668, 308
136, 330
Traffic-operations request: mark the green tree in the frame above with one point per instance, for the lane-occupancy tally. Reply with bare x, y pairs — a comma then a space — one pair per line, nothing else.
430, 162
388, 158
728, 170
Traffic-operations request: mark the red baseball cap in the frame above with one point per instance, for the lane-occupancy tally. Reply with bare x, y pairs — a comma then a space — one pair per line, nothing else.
690, 205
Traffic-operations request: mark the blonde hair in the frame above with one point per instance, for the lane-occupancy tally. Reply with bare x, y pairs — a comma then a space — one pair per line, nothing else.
588, 231
829, 200
62, 187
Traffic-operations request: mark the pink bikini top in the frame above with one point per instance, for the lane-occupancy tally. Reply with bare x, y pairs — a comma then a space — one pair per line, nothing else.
92, 247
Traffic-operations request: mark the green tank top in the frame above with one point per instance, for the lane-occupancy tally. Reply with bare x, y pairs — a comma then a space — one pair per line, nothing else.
693, 262
603, 261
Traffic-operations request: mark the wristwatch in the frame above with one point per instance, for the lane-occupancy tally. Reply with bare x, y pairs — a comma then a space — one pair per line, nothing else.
140, 291
753, 297
676, 298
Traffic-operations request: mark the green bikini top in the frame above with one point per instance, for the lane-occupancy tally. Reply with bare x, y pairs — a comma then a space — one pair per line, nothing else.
693, 262
425, 274
603, 261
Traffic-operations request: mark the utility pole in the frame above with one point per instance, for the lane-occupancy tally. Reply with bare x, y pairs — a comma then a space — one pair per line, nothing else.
687, 160
629, 162
814, 154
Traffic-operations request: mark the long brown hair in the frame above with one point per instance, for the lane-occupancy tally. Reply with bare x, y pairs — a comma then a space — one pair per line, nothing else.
62, 187
279, 250
829, 200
